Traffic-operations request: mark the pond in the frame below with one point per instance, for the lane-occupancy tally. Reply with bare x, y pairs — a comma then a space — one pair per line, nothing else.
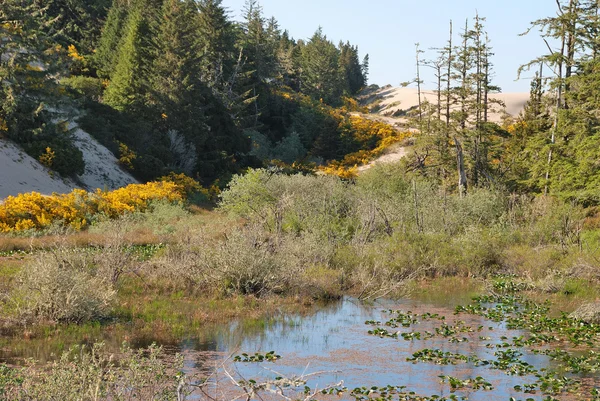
426, 348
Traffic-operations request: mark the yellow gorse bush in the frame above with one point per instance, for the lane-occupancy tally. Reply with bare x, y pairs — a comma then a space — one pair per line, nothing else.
374, 137
75, 209
74, 54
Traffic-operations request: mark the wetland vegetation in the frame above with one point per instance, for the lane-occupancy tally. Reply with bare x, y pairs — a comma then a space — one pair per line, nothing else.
279, 248
466, 270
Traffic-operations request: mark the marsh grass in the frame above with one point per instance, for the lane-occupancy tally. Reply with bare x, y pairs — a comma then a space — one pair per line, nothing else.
63, 286
93, 374
293, 240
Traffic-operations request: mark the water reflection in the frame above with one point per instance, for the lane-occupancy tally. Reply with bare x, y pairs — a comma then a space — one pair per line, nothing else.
335, 340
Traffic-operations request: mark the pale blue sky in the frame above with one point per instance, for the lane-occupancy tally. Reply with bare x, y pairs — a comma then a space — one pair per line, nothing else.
388, 30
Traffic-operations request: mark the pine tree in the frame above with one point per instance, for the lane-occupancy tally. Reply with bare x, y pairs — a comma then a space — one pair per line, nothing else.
217, 44
28, 86
72, 22
364, 67
128, 86
322, 78
287, 55
106, 54
352, 69
177, 90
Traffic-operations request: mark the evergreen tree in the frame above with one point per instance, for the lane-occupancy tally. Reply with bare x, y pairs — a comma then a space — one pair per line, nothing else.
178, 93
353, 70
128, 86
72, 22
287, 53
364, 67
217, 44
28, 86
106, 56
322, 77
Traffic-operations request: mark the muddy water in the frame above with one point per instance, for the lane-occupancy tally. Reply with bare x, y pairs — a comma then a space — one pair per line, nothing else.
335, 340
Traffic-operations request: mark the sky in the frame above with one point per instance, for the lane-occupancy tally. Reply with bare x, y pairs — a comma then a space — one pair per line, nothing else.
388, 29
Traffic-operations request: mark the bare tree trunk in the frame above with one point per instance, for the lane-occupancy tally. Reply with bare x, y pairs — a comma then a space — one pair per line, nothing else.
478, 98
460, 163
418, 218
559, 96
439, 90
596, 18
486, 82
419, 84
463, 73
570, 26
449, 83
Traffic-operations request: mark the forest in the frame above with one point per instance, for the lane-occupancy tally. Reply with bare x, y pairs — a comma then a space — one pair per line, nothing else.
262, 254
177, 86
172, 86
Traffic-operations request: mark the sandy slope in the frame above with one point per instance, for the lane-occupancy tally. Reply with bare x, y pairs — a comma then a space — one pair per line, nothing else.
396, 100
393, 154
101, 166
21, 173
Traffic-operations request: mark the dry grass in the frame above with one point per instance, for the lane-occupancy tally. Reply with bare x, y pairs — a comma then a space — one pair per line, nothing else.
142, 236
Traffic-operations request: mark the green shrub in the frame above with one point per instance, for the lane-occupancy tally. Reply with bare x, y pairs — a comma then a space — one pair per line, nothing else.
67, 159
86, 87
391, 225
297, 203
94, 374
63, 286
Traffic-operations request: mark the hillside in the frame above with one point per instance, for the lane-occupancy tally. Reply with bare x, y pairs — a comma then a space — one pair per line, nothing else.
21, 173
391, 104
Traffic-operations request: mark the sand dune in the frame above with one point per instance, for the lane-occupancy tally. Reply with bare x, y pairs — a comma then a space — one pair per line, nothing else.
392, 103
20, 173
102, 168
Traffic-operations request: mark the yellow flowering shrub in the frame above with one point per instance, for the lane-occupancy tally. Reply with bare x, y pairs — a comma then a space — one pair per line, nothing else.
3, 125
126, 156
368, 137
373, 136
47, 158
336, 168
74, 54
75, 209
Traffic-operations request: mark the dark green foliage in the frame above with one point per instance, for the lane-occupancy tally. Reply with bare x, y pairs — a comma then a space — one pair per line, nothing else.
88, 88
322, 77
73, 22
178, 95
111, 127
171, 84
217, 44
28, 87
558, 132
317, 130
355, 78
106, 54
128, 84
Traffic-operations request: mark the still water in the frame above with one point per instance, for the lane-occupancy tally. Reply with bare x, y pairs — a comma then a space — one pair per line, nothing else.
335, 341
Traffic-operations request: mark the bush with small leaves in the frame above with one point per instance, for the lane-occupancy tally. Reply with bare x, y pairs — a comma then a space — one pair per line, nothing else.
63, 285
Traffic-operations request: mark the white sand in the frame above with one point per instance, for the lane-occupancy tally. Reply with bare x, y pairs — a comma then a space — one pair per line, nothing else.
393, 154
392, 100
20, 173
101, 166
397, 99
